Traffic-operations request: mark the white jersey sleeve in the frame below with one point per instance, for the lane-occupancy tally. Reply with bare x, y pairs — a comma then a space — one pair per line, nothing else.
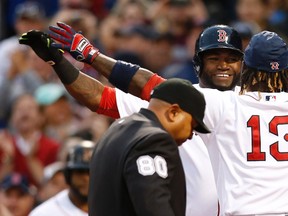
128, 104
58, 205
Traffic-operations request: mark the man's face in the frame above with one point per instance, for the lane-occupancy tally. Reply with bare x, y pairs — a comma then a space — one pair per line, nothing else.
80, 184
220, 69
17, 202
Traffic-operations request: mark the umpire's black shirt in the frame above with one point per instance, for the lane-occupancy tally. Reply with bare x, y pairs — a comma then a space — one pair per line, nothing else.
136, 170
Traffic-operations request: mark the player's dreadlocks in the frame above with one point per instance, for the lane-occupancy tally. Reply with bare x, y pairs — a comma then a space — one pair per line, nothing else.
265, 64
254, 80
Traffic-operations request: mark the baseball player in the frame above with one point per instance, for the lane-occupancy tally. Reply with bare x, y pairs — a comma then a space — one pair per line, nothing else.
200, 186
250, 171
74, 200
136, 165
218, 63
247, 145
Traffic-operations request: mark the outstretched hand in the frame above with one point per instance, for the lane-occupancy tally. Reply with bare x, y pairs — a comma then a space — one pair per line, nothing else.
40, 42
73, 42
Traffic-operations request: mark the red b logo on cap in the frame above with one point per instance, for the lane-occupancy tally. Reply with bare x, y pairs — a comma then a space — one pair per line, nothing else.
274, 65
222, 35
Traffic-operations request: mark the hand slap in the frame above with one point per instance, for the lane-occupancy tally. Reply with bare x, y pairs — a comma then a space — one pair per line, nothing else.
40, 42
63, 34
74, 42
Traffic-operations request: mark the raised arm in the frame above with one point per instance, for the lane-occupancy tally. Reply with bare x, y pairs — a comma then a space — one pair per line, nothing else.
105, 65
83, 88
125, 76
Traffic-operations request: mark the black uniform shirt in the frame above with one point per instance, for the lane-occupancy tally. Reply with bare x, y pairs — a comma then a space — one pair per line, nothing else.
136, 170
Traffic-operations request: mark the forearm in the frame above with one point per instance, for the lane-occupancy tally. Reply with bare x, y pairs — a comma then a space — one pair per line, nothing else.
82, 87
105, 65
139, 81
86, 90
36, 169
6, 165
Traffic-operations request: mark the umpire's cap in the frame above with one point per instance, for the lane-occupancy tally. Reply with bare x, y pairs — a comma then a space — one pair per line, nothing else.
181, 92
266, 52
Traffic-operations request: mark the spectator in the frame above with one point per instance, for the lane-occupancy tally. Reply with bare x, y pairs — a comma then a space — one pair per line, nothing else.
178, 17
256, 12
131, 13
29, 149
28, 15
60, 121
17, 195
125, 14
25, 75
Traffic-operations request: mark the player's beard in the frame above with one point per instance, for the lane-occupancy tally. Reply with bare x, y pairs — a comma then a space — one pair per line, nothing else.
208, 82
82, 198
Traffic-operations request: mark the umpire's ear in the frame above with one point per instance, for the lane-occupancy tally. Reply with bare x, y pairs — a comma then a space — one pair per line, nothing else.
173, 112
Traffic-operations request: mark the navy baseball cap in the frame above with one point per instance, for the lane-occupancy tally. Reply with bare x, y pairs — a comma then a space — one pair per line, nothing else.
181, 92
267, 51
15, 180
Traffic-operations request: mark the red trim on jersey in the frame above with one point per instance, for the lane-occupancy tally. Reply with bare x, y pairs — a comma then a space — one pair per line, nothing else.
152, 82
108, 105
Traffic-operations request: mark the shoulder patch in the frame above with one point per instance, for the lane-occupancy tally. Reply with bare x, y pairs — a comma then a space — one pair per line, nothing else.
148, 166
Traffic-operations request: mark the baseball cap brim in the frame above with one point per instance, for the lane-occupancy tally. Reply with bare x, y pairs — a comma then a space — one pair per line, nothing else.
181, 92
201, 127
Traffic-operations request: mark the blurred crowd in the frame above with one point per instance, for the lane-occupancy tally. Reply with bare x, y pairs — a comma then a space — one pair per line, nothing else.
39, 119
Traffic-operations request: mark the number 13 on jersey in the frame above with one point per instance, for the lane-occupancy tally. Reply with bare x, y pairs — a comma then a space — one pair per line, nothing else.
257, 154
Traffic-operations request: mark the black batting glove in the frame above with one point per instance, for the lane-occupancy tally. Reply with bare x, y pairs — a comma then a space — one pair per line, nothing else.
40, 42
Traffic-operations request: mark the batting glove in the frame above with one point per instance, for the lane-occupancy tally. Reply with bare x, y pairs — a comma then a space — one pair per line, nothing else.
73, 42
41, 44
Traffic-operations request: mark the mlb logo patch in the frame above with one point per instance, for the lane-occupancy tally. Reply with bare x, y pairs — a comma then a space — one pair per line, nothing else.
270, 97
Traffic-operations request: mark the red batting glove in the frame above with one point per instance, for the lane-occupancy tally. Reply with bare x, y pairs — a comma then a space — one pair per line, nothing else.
73, 42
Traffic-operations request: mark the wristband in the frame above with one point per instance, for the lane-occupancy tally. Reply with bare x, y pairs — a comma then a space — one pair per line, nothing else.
149, 86
66, 72
121, 75
93, 53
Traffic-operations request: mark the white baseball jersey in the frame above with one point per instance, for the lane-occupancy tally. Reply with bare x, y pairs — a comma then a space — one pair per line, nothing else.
201, 190
59, 205
248, 149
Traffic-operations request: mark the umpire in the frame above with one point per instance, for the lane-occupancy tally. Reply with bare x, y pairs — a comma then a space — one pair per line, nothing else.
136, 167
